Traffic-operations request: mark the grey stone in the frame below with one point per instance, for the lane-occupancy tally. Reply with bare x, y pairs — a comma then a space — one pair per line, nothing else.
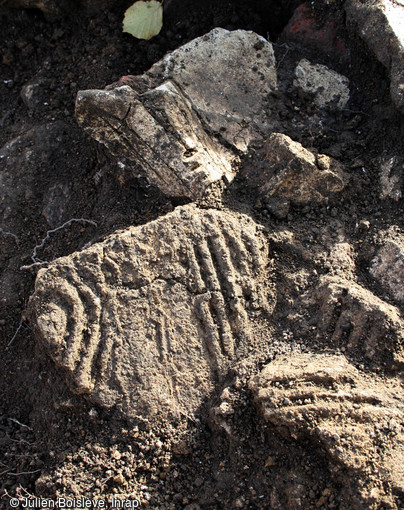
21, 176
150, 319
391, 178
227, 76
33, 93
380, 24
330, 89
55, 204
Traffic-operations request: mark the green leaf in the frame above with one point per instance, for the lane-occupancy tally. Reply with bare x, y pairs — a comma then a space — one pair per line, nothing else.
143, 19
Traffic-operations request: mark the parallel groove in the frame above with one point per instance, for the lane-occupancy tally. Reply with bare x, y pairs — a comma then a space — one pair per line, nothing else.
170, 292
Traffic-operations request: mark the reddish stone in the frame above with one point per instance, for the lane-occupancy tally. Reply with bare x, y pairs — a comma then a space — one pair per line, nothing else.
303, 28
138, 83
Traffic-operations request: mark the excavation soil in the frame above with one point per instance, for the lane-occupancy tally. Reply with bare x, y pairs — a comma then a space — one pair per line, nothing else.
55, 443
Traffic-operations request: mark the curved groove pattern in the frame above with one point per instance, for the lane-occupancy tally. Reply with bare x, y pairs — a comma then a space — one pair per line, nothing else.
155, 310
325, 400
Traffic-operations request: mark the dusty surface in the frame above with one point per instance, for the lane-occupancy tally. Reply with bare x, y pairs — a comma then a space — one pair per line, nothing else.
284, 169
228, 88
327, 303
151, 319
356, 420
158, 133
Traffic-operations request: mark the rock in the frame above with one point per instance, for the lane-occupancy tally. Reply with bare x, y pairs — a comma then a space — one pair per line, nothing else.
227, 76
230, 105
288, 171
330, 89
221, 415
151, 318
159, 133
33, 93
351, 418
391, 178
352, 318
21, 180
323, 161
388, 268
321, 38
379, 24
119, 479
55, 204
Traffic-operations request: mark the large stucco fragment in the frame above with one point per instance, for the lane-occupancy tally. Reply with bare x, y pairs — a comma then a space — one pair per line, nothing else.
289, 171
159, 133
353, 418
227, 76
185, 121
356, 320
152, 318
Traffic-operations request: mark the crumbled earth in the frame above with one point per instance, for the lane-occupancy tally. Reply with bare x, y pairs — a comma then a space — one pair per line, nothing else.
334, 271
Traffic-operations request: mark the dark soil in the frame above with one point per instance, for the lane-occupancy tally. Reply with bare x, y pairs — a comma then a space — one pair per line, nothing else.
52, 442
